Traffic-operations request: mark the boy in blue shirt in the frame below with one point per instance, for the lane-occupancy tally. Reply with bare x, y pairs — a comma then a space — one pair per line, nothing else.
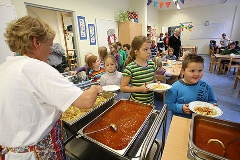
190, 88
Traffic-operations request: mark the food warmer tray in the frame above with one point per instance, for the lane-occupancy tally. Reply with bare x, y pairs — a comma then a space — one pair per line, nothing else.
83, 149
218, 134
75, 125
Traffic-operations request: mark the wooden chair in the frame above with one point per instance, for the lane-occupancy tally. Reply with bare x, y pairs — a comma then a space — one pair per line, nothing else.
162, 79
236, 79
213, 63
233, 63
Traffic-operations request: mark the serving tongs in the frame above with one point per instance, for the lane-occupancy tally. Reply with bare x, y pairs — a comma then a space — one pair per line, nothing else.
111, 125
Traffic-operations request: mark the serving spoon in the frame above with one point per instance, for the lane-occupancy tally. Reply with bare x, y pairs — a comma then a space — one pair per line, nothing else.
111, 125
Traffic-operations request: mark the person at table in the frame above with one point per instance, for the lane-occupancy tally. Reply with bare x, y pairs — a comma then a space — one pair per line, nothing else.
175, 42
139, 71
160, 43
231, 49
169, 55
190, 88
160, 70
33, 94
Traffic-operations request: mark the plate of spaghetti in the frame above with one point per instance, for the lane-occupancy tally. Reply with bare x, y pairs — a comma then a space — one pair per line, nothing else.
204, 108
158, 87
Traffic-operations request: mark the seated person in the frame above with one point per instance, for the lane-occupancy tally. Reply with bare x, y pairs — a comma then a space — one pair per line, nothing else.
160, 70
170, 55
190, 88
231, 49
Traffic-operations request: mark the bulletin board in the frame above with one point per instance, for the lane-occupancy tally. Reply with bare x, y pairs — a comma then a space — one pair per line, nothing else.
107, 31
211, 31
7, 14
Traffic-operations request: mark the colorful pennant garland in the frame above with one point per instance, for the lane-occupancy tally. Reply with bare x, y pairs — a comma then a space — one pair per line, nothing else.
187, 26
168, 3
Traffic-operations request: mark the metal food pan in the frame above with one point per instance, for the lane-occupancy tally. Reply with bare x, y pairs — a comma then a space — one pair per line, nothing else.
75, 125
213, 138
121, 152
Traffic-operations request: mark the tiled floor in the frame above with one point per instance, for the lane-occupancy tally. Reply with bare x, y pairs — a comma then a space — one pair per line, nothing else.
227, 97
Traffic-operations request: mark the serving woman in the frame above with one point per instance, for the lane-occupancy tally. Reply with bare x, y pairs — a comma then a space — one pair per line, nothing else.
33, 94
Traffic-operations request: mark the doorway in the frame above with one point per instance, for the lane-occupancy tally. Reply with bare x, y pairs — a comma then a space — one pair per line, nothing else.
61, 21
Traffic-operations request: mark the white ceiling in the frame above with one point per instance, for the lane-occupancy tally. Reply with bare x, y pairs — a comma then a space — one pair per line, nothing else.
190, 3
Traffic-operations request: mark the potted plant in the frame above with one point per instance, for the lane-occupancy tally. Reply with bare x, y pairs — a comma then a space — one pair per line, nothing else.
121, 16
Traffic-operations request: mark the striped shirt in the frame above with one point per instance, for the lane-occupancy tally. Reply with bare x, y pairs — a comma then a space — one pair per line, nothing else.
95, 75
139, 76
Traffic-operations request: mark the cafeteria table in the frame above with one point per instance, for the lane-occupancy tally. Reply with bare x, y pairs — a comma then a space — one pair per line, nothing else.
176, 146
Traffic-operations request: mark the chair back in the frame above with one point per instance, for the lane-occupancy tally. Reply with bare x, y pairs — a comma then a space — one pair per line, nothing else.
161, 78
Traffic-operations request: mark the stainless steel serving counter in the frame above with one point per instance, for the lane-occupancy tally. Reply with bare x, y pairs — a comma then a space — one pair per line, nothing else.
144, 147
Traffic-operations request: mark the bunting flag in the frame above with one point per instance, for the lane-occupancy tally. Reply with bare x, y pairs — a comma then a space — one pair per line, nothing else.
168, 4
155, 3
149, 2
161, 4
182, 1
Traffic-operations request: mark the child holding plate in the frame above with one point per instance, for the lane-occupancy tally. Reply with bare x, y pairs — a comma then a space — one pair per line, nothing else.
139, 71
190, 88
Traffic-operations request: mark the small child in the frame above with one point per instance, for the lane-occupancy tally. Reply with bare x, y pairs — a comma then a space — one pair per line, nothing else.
122, 55
160, 70
114, 51
96, 71
139, 71
126, 48
153, 49
190, 88
111, 76
83, 68
170, 55
102, 53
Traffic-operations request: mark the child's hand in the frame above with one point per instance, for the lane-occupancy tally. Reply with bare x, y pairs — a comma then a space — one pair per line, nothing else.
144, 89
186, 109
73, 73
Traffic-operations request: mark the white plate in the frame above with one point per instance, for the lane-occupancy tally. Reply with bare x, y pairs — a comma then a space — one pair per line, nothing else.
111, 88
152, 86
194, 104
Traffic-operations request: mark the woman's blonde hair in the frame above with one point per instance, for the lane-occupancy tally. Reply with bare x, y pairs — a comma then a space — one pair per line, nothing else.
20, 33
102, 51
137, 43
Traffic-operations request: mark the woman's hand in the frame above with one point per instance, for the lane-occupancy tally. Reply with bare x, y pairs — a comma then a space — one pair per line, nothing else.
186, 109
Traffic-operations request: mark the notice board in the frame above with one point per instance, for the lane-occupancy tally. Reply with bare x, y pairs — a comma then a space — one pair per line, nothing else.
7, 14
211, 31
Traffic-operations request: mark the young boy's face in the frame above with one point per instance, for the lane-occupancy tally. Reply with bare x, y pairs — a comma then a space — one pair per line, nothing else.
193, 73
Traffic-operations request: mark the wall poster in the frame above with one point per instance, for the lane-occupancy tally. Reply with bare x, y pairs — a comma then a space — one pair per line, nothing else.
92, 34
82, 27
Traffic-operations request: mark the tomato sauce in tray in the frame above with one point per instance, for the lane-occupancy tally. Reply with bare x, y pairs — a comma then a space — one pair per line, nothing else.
128, 116
217, 137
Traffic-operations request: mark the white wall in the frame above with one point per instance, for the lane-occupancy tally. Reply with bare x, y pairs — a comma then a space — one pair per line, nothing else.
215, 14
90, 9
153, 19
